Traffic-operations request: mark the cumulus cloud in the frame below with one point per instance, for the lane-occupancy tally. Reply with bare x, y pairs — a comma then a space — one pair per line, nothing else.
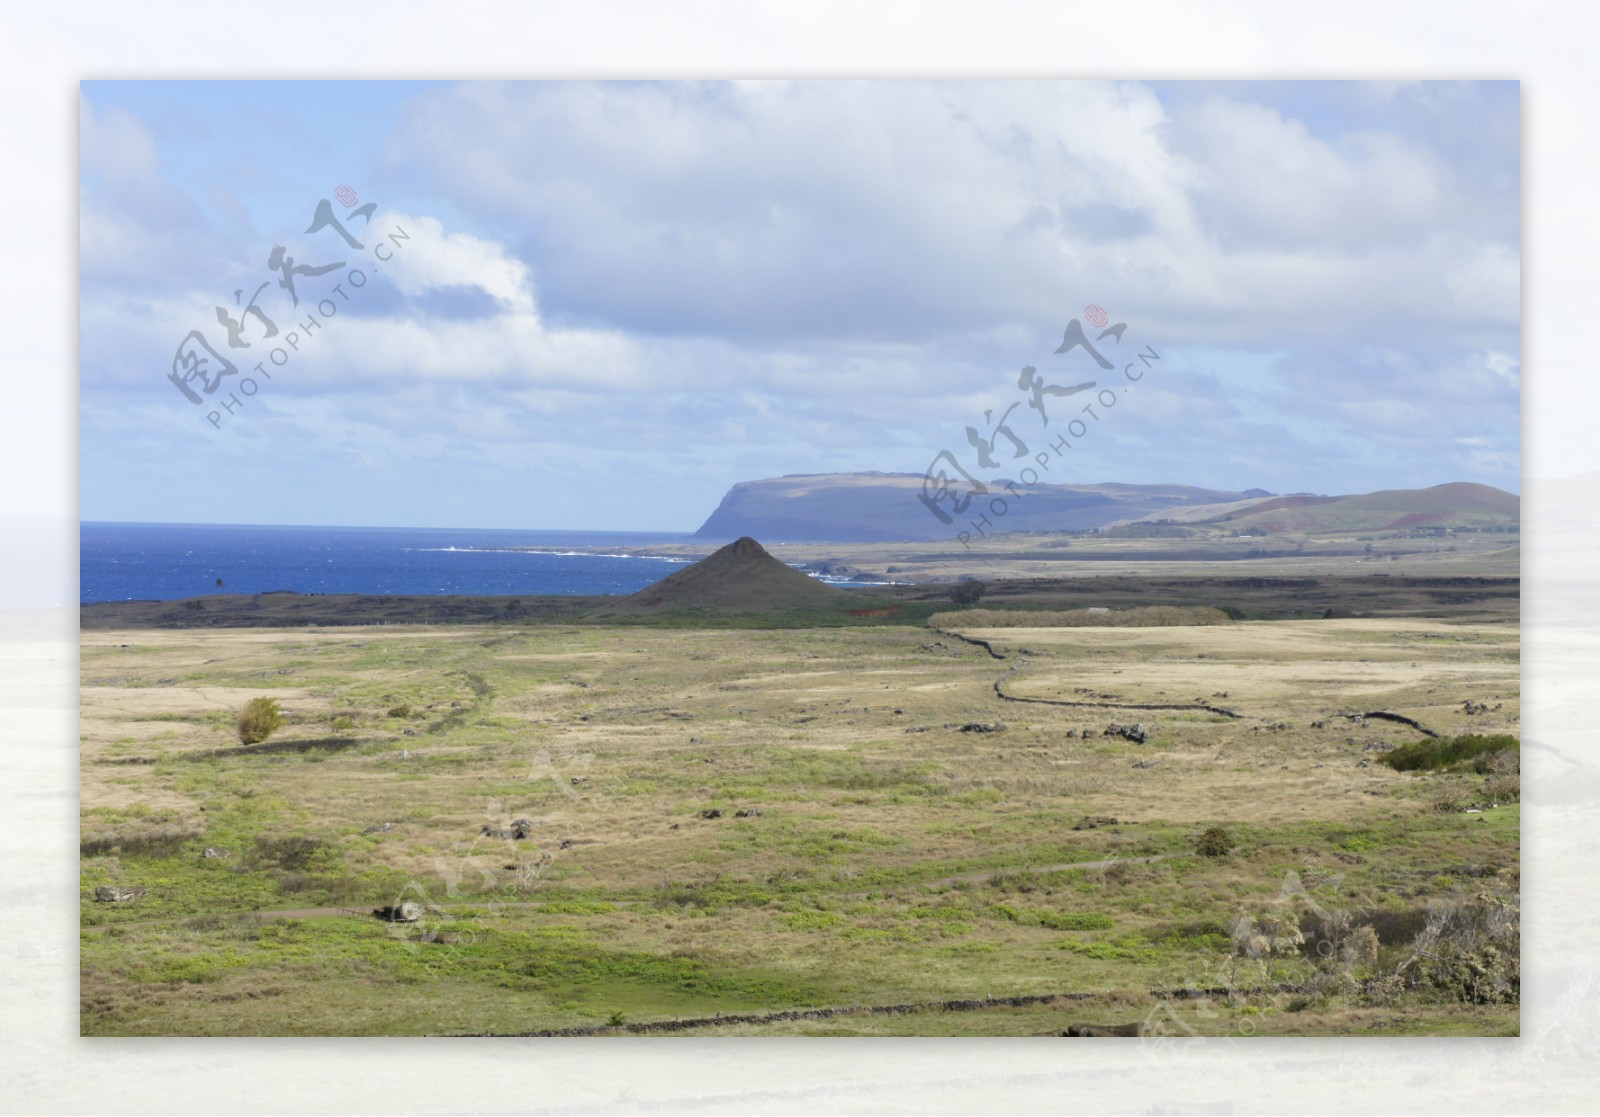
749, 278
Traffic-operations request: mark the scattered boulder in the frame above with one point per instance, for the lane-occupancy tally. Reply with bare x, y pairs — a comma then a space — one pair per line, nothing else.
982, 727
379, 828
1092, 821
116, 894
215, 853
408, 912
1103, 1030
576, 780
516, 832
711, 812
1147, 763
1138, 734
748, 812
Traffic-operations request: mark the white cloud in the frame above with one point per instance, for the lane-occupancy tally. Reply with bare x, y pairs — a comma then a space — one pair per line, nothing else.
431, 259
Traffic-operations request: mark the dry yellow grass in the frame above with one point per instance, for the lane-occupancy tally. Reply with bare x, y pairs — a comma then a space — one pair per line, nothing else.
848, 740
1150, 616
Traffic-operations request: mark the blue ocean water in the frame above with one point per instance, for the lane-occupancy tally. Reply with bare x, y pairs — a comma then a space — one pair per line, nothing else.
132, 562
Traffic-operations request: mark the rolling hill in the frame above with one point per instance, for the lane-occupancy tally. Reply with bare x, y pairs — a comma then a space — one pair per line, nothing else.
1459, 504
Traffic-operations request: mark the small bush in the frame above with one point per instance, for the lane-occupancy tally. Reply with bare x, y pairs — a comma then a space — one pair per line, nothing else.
1215, 841
967, 593
1504, 789
1469, 951
288, 853
400, 711
259, 719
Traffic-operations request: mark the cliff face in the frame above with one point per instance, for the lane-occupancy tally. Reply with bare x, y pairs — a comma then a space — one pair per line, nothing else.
884, 507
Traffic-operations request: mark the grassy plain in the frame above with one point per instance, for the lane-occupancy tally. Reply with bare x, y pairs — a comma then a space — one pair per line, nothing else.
916, 840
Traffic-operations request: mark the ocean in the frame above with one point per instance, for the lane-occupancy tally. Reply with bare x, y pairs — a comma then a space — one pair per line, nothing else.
134, 562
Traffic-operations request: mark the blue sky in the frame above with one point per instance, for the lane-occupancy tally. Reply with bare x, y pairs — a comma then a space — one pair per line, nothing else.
612, 301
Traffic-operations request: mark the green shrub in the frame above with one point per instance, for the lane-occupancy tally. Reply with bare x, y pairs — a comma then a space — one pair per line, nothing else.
1473, 750
1215, 841
259, 719
1074, 920
400, 711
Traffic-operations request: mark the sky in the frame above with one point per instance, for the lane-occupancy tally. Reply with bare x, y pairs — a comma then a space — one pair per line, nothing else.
598, 305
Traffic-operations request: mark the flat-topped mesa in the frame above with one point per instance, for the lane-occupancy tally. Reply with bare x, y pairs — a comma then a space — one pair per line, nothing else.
740, 577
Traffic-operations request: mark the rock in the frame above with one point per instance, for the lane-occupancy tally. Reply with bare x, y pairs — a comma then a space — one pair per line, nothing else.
1147, 763
408, 912
435, 936
1138, 734
982, 727
379, 828
116, 894
1105, 1030
1091, 821
214, 852
525, 823
711, 812
576, 780
748, 812
412, 733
